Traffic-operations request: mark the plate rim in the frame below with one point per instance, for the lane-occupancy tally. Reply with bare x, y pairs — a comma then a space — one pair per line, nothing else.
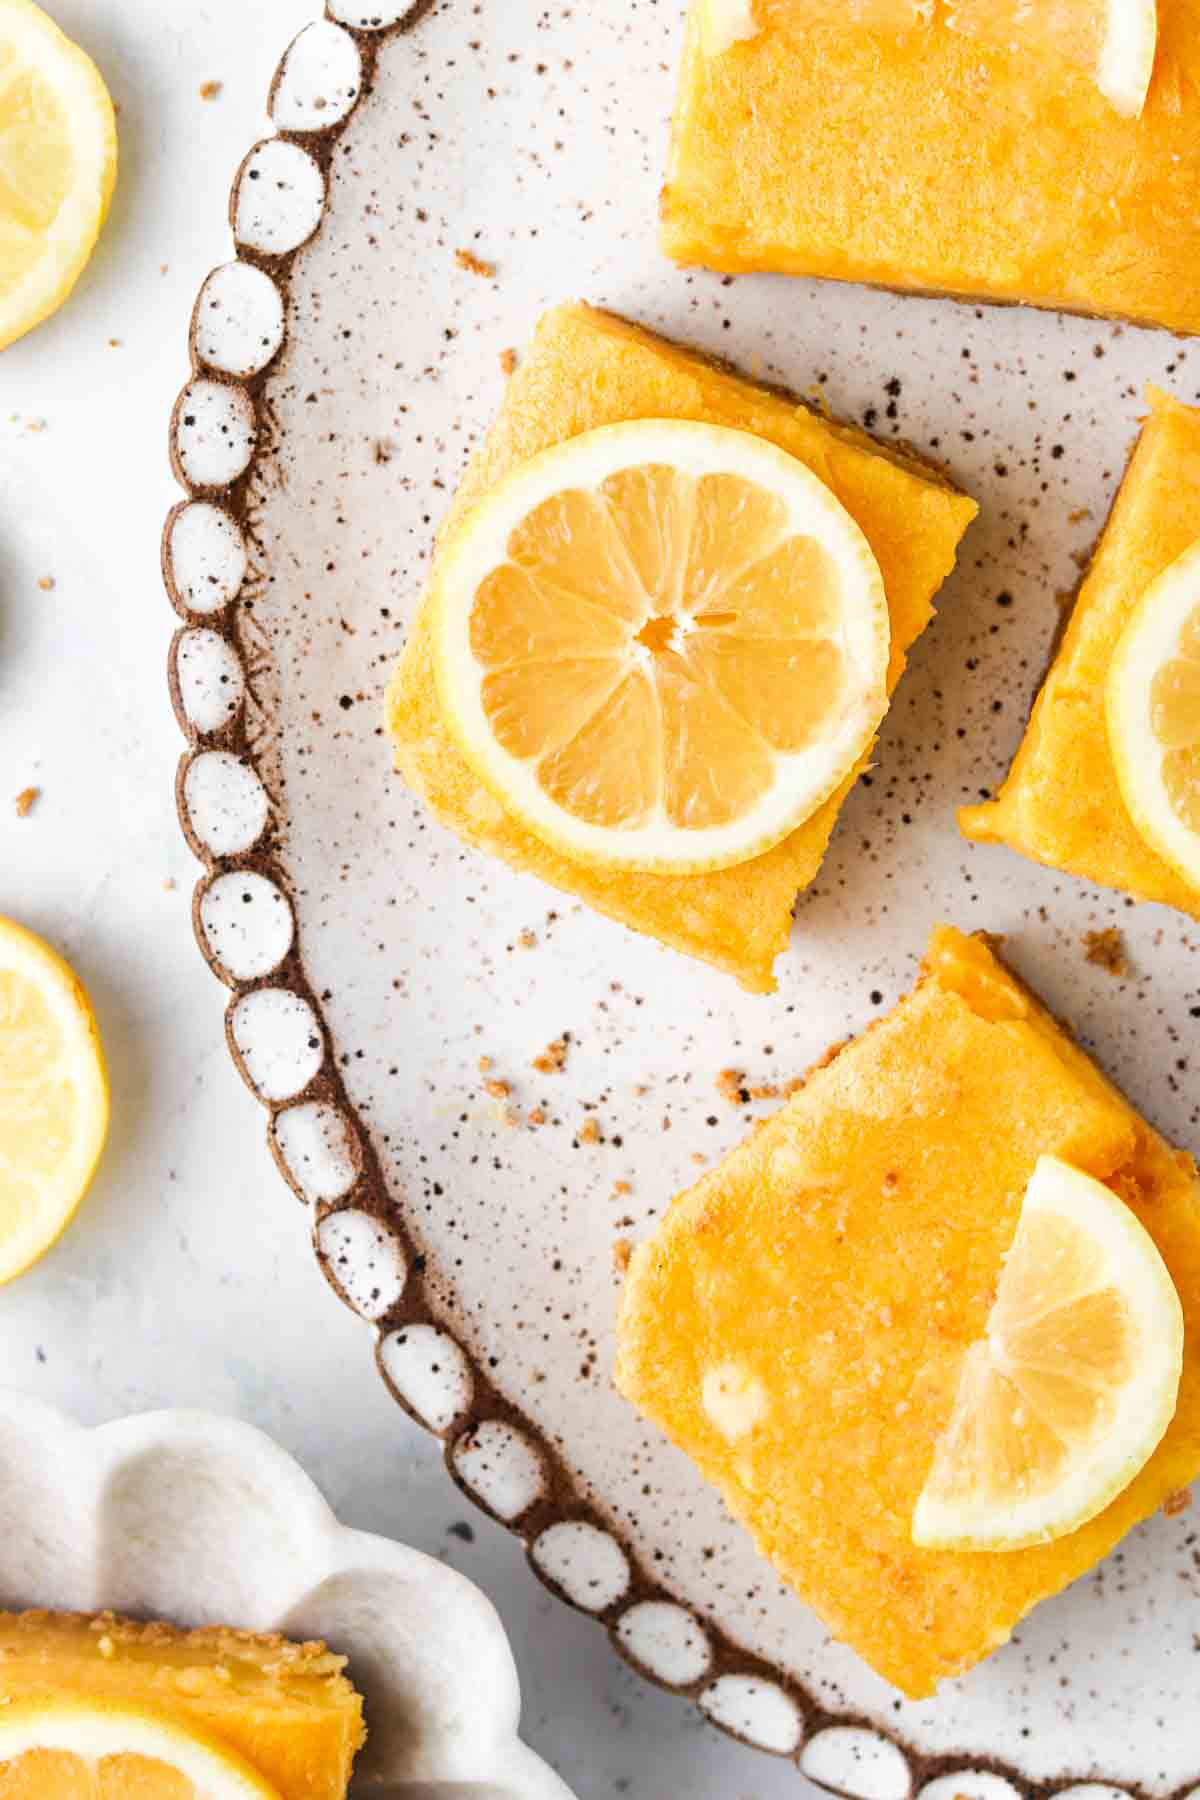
559, 1501
102, 1452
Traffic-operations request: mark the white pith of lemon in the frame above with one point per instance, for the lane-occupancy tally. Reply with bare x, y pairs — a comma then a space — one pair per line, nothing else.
1152, 704
53, 1097
1115, 41
62, 1747
1070, 1392
661, 645
58, 165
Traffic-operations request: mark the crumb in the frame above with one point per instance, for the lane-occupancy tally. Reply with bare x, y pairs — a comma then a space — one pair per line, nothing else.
114, 343
384, 449
640, 1090
509, 1117
732, 1088
589, 1131
527, 939
164, 268
169, 885
622, 1252
474, 265
26, 800
35, 424
508, 362
621, 1187
534, 1117
211, 90
1176, 1502
47, 583
699, 1158
1078, 514
553, 1059
497, 1090
1106, 949
485, 1063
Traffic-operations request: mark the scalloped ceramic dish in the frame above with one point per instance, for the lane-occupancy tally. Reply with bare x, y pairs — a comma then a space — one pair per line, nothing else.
428, 192
204, 1521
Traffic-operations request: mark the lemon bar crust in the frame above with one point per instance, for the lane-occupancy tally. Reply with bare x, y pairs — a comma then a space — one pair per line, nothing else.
927, 162
831, 1273
588, 368
1061, 802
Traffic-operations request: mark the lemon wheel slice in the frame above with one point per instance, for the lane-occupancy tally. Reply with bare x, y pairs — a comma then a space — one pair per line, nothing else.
1114, 41
58, 165
77, 1750
661, 645
1152, 700
1070, 1392
53, 1097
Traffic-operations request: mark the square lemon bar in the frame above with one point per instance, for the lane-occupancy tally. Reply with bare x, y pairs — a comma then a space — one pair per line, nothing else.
925, 160
798, 1322
587, 369
1061, 803
287, 1708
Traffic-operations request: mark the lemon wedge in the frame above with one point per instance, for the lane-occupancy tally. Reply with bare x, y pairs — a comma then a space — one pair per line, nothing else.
58, 165
53, 1098
63, 1749
1070, 1391
661, 645
1152, 703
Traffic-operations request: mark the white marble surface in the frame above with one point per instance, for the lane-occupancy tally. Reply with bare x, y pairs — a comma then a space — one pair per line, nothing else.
145, 1304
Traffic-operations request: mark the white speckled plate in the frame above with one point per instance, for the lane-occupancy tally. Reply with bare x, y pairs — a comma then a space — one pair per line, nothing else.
204, 1521
344, 365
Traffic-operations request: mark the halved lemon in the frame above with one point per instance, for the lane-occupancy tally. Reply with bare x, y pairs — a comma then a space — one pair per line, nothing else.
1115, 41
89, 1750
53, 1097
1152, 700
1070, 1392
58, 165
661, 645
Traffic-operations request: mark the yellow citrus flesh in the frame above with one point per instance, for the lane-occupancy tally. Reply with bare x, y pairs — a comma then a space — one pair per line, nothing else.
77, 1750
1153, 710
662, 645
53, 1098
1114, 41
58, 165
1070, 1392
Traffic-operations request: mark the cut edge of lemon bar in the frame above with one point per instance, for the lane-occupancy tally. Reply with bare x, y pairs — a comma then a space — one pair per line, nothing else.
1061, 803
798, 1321
288, 1708
588, 368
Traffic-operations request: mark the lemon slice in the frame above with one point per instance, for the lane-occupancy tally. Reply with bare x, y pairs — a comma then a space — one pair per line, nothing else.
1114, 41
1070, 1392
58, 165
1152, 701
661, 645
81, 1750
53, 1097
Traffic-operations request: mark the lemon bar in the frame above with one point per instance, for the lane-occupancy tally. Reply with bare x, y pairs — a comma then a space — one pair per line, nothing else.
1061, 803
287, 1708
586, 369
925, 160
798, 1323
